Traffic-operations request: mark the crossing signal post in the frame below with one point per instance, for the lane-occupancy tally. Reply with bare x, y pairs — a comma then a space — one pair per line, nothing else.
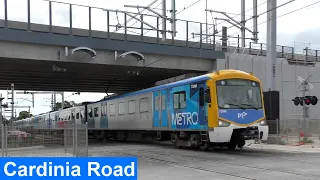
304, 101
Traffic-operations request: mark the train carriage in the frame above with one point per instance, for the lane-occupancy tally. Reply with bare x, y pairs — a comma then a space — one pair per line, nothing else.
224, 108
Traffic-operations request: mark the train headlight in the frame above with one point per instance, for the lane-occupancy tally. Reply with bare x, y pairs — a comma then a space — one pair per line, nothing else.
263, 123
223, 124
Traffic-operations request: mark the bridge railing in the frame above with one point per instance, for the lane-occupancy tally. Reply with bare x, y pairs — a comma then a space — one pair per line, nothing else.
87, 21
307, 57
80, 20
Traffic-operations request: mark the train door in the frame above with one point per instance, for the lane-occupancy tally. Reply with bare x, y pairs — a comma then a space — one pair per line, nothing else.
73, 115
162, 109
97, 115
104, 117
180, 110
90, 117
156, 109
77, 116
202, 104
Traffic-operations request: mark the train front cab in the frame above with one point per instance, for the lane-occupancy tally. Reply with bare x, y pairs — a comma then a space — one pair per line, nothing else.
235, 110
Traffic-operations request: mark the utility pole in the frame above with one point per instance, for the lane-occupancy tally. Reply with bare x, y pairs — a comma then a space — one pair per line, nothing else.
271, 44
243, 23
207, 22
255, 21
54, 101
1, 99
164, 20
173, 17
62, 102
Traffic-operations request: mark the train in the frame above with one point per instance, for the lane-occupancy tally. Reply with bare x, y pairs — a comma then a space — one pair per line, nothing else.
224, 108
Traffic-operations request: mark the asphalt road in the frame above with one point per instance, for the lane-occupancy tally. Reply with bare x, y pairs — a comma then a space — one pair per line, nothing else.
165, 162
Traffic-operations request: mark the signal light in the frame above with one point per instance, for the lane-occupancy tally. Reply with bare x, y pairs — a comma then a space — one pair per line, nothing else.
307, 100
313, 100
296, 101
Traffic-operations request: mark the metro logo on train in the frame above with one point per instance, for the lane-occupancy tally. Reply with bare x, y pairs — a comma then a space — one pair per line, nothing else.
185, 118
218, 109
242, 115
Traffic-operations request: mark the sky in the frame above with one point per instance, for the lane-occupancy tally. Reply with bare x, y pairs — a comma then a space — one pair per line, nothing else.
298, 29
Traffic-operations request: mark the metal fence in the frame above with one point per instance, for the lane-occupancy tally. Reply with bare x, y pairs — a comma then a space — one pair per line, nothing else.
294, 132
39, 140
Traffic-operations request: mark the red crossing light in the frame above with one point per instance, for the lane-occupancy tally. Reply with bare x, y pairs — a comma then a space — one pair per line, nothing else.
307, 100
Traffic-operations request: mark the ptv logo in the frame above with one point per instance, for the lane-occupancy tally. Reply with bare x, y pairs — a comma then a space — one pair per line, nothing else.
242, 115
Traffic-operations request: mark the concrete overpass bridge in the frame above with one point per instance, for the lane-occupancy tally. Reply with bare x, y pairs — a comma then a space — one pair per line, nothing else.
42, 57
39, 56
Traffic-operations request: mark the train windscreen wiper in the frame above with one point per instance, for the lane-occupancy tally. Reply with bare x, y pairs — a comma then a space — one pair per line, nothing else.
252, 106
238, 105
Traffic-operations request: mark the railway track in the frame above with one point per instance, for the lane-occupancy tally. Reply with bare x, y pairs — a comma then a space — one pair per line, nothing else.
170, 158
158, 160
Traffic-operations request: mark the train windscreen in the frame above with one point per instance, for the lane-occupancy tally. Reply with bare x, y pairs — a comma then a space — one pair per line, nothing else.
238, 94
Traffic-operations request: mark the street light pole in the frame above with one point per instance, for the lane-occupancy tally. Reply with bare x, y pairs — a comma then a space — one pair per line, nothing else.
1, 99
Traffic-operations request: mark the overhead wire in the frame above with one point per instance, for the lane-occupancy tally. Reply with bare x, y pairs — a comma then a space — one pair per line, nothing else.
214, 26
163, 58
244, 11
128, 31
277, 16
284, 14
267, 20
136, 20
185, 8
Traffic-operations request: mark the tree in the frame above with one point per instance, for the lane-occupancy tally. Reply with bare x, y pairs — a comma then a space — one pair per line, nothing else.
24, 114
67, 104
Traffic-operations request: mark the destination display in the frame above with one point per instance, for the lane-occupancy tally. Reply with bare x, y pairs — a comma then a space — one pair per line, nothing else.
237, 82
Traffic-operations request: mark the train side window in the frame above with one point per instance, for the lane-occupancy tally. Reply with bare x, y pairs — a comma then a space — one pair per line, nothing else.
82, 114
105, 110
121, 108
90, 112
132, 107
157, 103
179, 100
207, 96
144, 104
112, 109
78, 115
73, 116
163, 103
201, 97
96, 112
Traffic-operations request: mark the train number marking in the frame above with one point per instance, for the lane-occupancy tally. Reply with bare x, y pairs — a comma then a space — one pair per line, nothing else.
185, 118
242, 115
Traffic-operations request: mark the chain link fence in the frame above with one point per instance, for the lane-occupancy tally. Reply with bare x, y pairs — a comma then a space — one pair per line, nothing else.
38, 140
294, 132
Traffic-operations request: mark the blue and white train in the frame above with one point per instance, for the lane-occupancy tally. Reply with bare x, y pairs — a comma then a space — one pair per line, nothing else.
224, 108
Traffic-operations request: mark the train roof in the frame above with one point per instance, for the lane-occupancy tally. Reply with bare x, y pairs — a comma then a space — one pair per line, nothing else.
179, 83
160, 87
